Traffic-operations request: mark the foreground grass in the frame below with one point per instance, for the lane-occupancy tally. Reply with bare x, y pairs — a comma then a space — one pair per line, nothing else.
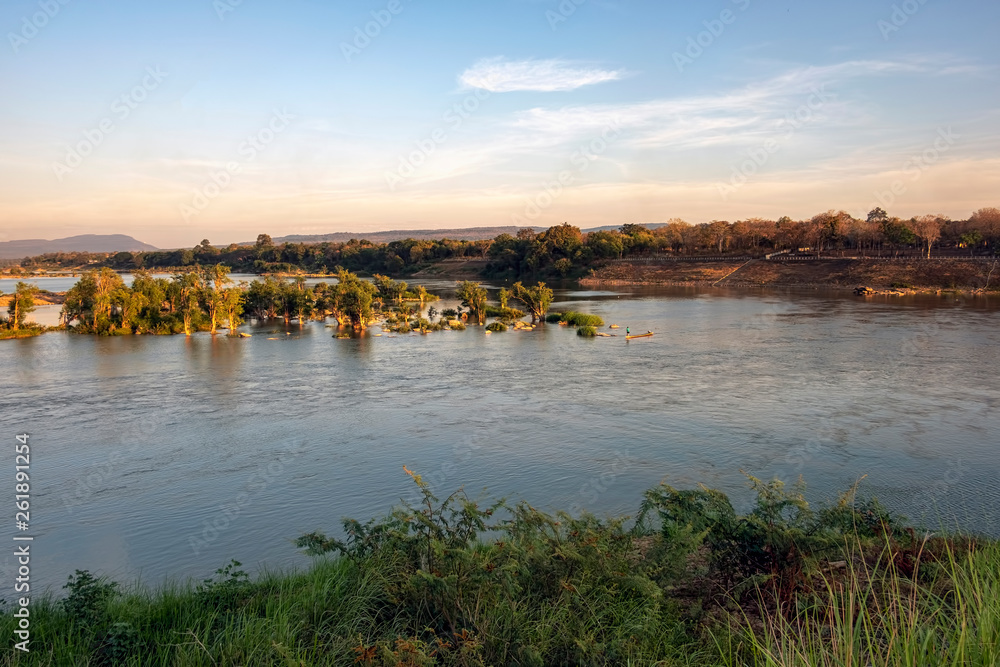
690, 582
869, 617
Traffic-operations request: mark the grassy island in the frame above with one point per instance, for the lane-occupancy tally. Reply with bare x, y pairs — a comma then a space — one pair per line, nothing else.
688, 581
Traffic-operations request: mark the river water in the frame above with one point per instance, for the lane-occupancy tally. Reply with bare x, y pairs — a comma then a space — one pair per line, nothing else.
157, 457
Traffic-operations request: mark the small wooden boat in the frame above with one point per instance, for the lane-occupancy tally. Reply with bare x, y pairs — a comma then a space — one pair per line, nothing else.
645, 335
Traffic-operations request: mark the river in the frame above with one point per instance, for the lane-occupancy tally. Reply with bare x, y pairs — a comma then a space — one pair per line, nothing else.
157, 457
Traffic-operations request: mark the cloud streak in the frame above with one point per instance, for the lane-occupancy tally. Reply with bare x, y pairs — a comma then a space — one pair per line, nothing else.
504, 76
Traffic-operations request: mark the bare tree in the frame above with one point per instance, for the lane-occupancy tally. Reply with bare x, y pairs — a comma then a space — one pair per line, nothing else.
928, 228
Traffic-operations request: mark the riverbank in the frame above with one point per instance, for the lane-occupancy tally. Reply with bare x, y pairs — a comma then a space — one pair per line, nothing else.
30, 330
886, 275
41, 298
454, 269
460, 582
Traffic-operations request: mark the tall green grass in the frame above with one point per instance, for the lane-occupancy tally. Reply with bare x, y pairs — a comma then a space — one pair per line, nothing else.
873, 614
576, 319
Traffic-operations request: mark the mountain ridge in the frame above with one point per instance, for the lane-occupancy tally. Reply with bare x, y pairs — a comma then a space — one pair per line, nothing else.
21, 248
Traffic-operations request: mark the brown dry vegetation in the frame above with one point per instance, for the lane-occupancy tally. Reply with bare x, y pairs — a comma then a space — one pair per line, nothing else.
457, 268
838, 273
661, 273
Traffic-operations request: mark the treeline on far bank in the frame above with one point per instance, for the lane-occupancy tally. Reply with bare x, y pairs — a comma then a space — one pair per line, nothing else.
566, 251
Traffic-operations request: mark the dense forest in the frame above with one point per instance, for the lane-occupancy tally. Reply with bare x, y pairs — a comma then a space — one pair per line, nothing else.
565, 251
207, 300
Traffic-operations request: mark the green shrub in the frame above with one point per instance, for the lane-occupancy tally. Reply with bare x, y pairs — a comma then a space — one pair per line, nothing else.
586, 332
458, 327
507, 315
497, 326
527, 589
120, 642
582, 319
552, 318
230, 589
88, 598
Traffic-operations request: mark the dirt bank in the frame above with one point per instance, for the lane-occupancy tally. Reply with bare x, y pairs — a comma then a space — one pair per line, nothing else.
459, 269
41, 299
933, 274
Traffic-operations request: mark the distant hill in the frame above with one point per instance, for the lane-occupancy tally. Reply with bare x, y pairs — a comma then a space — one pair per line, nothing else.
467, 234
82, 243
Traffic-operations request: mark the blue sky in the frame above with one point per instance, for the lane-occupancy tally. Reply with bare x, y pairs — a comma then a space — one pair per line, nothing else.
220, 119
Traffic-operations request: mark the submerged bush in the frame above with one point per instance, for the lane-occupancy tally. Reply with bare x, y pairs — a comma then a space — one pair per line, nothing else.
497, 326
506, 315
583, 319
575, 319
586, 332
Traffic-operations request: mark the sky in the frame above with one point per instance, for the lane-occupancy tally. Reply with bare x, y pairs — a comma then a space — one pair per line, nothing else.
175, 121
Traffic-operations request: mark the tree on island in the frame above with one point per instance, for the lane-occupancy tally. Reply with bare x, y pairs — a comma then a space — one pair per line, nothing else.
536, 299
186, 288
93, 298
389, 289
232, 308
129, 304
351, 300
22, 302
473, 296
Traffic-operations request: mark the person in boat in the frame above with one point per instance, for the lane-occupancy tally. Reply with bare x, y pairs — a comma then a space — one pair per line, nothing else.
626, 331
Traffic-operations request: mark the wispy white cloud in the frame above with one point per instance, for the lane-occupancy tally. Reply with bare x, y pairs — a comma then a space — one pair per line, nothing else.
821, 100
503, 76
